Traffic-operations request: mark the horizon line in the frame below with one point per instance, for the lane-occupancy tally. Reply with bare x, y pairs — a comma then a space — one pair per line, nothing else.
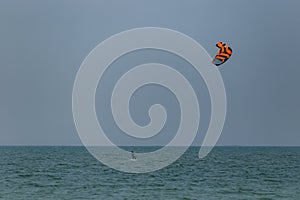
33, 145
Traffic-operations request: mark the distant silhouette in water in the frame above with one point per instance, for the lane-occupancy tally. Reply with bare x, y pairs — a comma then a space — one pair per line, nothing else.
133, 157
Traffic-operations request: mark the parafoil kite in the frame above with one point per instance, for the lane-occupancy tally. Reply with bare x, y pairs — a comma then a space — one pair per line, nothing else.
223, 54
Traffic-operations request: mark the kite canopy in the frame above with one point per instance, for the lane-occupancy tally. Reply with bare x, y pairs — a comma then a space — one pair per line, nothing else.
223, 54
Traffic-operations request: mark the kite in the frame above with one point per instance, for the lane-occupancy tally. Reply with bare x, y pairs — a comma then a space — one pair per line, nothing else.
223, 54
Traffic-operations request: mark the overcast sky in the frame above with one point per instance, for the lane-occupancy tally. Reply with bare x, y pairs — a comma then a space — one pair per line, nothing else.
43, 43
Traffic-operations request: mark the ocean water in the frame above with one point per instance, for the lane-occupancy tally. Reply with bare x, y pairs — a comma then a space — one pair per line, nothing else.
226, 173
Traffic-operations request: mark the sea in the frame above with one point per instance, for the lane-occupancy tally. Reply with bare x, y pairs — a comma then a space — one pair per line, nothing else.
53, 172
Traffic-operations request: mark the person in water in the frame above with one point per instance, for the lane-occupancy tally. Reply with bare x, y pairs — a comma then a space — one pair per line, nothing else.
133, 155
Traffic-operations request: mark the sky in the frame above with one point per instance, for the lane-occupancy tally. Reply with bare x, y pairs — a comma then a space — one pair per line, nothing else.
43, 43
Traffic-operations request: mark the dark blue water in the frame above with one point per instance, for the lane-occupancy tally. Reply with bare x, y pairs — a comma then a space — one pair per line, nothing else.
226, 173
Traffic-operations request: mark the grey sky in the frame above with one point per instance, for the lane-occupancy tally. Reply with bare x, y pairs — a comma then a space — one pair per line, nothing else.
42, 44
